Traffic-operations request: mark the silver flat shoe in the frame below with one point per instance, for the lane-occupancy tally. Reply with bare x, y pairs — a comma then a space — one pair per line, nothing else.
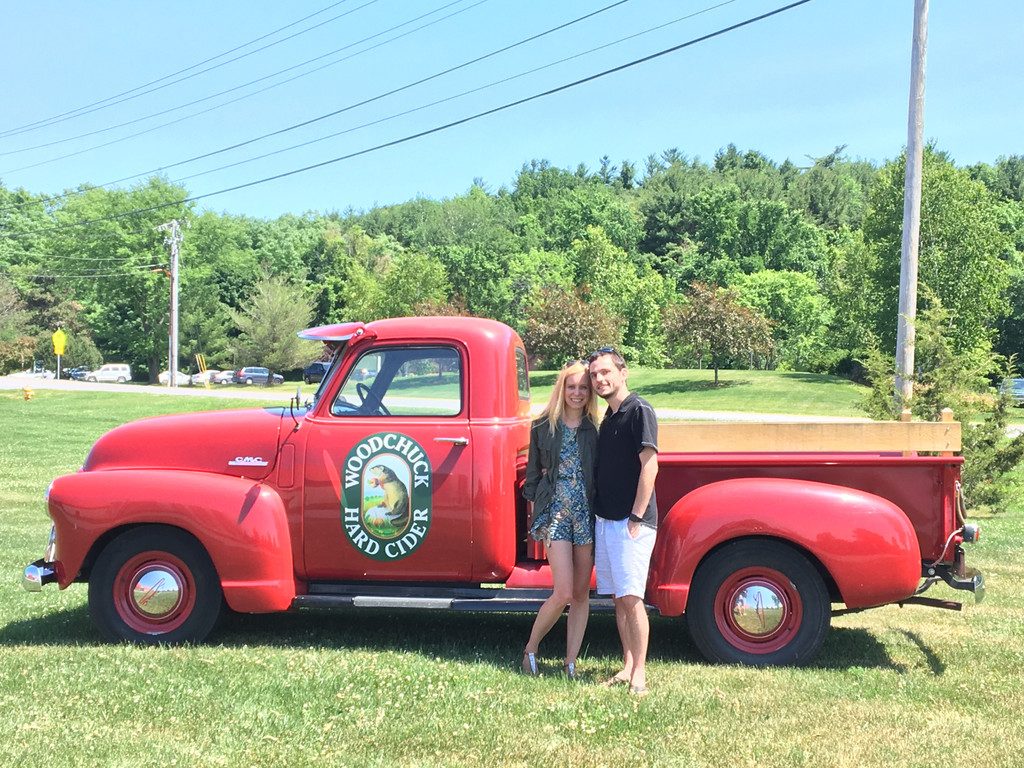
530, 664
570, 669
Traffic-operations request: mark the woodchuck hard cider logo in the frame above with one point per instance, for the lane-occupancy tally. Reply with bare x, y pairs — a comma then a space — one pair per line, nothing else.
385, 498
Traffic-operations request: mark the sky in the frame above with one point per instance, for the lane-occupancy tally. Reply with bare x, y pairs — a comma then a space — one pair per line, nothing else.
793, 86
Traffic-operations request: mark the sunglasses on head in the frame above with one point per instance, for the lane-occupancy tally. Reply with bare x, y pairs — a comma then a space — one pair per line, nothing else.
602, 351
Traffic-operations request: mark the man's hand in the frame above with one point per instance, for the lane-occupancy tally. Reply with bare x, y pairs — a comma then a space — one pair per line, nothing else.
633, 527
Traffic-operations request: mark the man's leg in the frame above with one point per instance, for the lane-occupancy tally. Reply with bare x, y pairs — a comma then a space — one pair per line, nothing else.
622, 622
638, 629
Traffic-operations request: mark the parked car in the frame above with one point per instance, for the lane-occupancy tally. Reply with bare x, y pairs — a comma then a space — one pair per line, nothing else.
1016, 389
315, 372
223, 377
182, 379
111, 372
257, 375
199, 379
78, 373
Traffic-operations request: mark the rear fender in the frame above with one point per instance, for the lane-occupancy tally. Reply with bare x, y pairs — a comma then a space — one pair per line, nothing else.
241, 523
865, 543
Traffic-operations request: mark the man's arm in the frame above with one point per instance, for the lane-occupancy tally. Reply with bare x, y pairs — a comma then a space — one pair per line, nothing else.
644, 488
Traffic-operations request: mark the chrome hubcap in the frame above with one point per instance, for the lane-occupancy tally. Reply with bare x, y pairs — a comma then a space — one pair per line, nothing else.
758, 609
156, 592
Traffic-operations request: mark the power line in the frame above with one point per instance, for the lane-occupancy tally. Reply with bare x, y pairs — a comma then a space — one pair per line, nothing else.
430, 131
446, 99
349, 107
236, 88
90, 108
42, 276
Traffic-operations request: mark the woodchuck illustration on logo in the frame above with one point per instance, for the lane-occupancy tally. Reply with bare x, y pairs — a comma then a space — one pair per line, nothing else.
395, 507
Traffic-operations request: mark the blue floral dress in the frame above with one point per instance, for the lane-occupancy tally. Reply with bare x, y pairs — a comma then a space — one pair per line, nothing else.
568, 518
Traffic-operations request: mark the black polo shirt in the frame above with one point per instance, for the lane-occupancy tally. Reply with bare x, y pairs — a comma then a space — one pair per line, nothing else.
622, 436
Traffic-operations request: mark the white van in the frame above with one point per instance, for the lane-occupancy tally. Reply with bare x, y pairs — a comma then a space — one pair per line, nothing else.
119, 372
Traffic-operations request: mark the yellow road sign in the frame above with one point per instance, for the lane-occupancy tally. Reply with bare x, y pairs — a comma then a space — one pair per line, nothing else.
60, 340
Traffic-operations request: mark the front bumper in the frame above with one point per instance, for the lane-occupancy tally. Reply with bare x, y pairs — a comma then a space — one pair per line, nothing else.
37, 575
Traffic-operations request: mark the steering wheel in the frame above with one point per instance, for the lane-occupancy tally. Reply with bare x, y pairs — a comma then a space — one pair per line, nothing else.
371, 400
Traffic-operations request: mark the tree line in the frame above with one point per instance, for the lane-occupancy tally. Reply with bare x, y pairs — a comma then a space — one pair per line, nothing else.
737, 262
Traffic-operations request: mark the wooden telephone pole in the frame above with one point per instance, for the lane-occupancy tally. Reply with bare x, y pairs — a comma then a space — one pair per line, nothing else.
911, 210
173, 240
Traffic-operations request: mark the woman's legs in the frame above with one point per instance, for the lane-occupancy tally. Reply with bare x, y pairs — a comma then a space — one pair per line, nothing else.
579, 606
561, 561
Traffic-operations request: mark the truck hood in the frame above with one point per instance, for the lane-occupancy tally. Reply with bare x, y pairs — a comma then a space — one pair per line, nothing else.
239, 442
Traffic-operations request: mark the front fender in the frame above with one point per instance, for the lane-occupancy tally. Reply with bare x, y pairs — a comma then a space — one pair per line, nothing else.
865, 542
241, 523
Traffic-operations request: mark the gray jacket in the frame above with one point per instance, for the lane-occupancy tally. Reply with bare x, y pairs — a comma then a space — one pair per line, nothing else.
545, 449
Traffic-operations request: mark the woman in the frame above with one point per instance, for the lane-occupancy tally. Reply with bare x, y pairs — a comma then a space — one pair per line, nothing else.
560, 483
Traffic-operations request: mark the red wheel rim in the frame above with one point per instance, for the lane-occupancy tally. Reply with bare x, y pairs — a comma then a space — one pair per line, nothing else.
758, 610
154, 592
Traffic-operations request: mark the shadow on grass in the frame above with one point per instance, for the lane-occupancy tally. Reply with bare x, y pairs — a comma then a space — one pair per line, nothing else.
489, 638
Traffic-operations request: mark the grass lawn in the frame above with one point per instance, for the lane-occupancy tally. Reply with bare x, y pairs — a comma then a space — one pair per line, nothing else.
750, 391
911, 687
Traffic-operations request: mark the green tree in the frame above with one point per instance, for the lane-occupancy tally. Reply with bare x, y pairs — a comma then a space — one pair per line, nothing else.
395, 288
799, 316
561, 326
268, 324
961, 250
607, 276
712, 323
117, 268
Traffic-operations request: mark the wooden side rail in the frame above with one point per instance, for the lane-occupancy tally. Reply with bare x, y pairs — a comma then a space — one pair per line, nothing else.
825, 437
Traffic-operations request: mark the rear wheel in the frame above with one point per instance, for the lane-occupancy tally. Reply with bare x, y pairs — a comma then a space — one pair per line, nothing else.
248, 381
760, 603
154, 585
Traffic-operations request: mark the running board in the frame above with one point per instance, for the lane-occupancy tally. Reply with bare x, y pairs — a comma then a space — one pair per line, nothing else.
478, 605
436, 598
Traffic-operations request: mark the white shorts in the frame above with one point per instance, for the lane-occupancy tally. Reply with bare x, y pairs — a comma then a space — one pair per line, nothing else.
622, 562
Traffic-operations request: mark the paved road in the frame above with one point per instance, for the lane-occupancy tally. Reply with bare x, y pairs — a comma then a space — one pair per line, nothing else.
281, 394
277, 394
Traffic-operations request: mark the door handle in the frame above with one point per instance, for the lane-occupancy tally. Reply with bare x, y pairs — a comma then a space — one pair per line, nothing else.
452, 440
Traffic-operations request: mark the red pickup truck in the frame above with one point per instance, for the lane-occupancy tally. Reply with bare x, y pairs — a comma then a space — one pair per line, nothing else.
398, 486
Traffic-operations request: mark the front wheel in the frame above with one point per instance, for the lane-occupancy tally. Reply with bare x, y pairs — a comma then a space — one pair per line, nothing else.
758, 602
154, 585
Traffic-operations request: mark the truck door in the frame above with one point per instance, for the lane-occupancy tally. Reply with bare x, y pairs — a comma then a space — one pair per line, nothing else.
388, 470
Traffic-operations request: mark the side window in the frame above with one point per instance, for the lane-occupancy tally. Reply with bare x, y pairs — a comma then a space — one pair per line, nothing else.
402, 381
522, 375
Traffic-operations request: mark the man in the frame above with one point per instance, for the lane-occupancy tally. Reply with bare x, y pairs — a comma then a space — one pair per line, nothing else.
626, 513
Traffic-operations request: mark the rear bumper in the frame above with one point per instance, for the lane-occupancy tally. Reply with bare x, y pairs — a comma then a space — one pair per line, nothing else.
37, 575
955, 574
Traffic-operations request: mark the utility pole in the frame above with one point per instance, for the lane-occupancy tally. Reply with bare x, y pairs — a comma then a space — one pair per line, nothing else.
173, 240
911, 210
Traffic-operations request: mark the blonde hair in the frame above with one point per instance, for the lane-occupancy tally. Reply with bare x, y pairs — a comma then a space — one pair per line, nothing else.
552, 412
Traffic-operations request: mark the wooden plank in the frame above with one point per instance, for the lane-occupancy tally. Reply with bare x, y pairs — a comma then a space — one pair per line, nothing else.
819, 437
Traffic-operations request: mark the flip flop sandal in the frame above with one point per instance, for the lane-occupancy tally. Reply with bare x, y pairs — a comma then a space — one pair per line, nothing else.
530, 664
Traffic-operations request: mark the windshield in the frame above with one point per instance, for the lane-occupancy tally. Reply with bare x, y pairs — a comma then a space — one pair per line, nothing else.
335, 361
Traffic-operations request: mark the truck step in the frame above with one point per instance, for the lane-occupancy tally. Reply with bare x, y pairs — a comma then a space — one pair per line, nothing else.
498, 603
